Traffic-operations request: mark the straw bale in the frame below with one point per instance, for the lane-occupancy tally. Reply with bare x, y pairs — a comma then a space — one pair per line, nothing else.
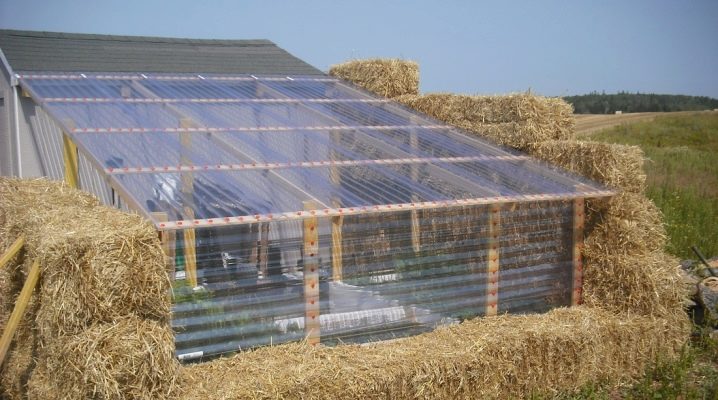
645, 284
129, 358
105, 270
97, 263
384, 77
615, 165
627, 223
21, 359
104, 295
516, 120
508, 356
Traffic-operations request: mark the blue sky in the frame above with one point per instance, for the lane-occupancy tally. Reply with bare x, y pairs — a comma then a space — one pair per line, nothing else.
551, 47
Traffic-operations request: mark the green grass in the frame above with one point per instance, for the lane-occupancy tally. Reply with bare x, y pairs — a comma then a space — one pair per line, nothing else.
682, 171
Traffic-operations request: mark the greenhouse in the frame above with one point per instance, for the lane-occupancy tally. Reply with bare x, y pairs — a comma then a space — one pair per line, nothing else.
303, 208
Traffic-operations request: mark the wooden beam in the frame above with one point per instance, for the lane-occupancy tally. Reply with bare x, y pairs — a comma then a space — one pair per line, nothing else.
492, 290
69, 154
311, 277
264, 248
20, 305
335, 177
187, 179
168, 240
12, 250
415, 226
190, 253
337, 261
577, 275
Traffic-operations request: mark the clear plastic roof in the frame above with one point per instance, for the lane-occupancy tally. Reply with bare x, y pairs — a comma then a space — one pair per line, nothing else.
215, 150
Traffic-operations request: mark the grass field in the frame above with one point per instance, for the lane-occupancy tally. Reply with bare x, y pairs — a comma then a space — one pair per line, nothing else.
682, 171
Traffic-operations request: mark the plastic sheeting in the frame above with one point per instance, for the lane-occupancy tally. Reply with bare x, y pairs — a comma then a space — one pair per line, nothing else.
231, 167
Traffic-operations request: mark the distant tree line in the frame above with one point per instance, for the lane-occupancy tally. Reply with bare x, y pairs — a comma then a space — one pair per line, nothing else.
602, 103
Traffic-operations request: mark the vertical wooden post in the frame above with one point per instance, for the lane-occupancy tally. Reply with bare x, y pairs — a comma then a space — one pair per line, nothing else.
415, 230
21, 303
187, 178
69, 154
311, 277
335, 178
577, 275
492, 290
263, 248
190, 253
337, 268
415, 227
168, 241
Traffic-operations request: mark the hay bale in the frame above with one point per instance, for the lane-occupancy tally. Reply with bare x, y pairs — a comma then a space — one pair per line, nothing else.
615, 165
384, 77
516, 120
104, 295
97, 263
641, 284
21, 359
627, 223
106, 270
129, 358
509, 356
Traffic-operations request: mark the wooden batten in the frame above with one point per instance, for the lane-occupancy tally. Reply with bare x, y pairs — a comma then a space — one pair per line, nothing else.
190, 253
578, 227
168, 240
12, 250
20, 305
311, 277
415, 226
263, 248
492, 289
415, 229
69, 154
187, 179
337, 267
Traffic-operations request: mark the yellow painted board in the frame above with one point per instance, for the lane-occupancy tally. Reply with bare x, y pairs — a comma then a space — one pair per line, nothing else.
578, 225
12, 250
69, 154
492, 296
20, 305
337, 267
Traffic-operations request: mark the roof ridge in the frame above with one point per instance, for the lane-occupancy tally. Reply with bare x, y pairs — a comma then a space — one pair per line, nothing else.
133, 38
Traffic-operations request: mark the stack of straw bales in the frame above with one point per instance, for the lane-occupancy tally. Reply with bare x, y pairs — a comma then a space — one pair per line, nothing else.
98, 324
384, 77
516, 120
500, 357
632, 314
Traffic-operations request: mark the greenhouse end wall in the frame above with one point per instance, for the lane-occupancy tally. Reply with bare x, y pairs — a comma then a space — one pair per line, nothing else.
367, 277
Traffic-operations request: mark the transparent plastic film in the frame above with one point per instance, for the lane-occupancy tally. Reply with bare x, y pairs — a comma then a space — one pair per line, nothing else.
372, 277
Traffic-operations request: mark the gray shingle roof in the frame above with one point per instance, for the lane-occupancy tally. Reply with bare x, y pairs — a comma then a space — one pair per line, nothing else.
52, 51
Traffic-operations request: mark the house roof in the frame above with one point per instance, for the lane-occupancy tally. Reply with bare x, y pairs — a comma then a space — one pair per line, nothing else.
73, 52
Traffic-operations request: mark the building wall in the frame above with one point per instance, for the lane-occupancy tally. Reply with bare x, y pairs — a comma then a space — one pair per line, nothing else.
29, 163
7, 145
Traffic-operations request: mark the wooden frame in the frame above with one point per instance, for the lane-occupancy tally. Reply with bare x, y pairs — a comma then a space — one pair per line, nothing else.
577, 275
492, 289
12, 250
311, 277
20, 305
69, 154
